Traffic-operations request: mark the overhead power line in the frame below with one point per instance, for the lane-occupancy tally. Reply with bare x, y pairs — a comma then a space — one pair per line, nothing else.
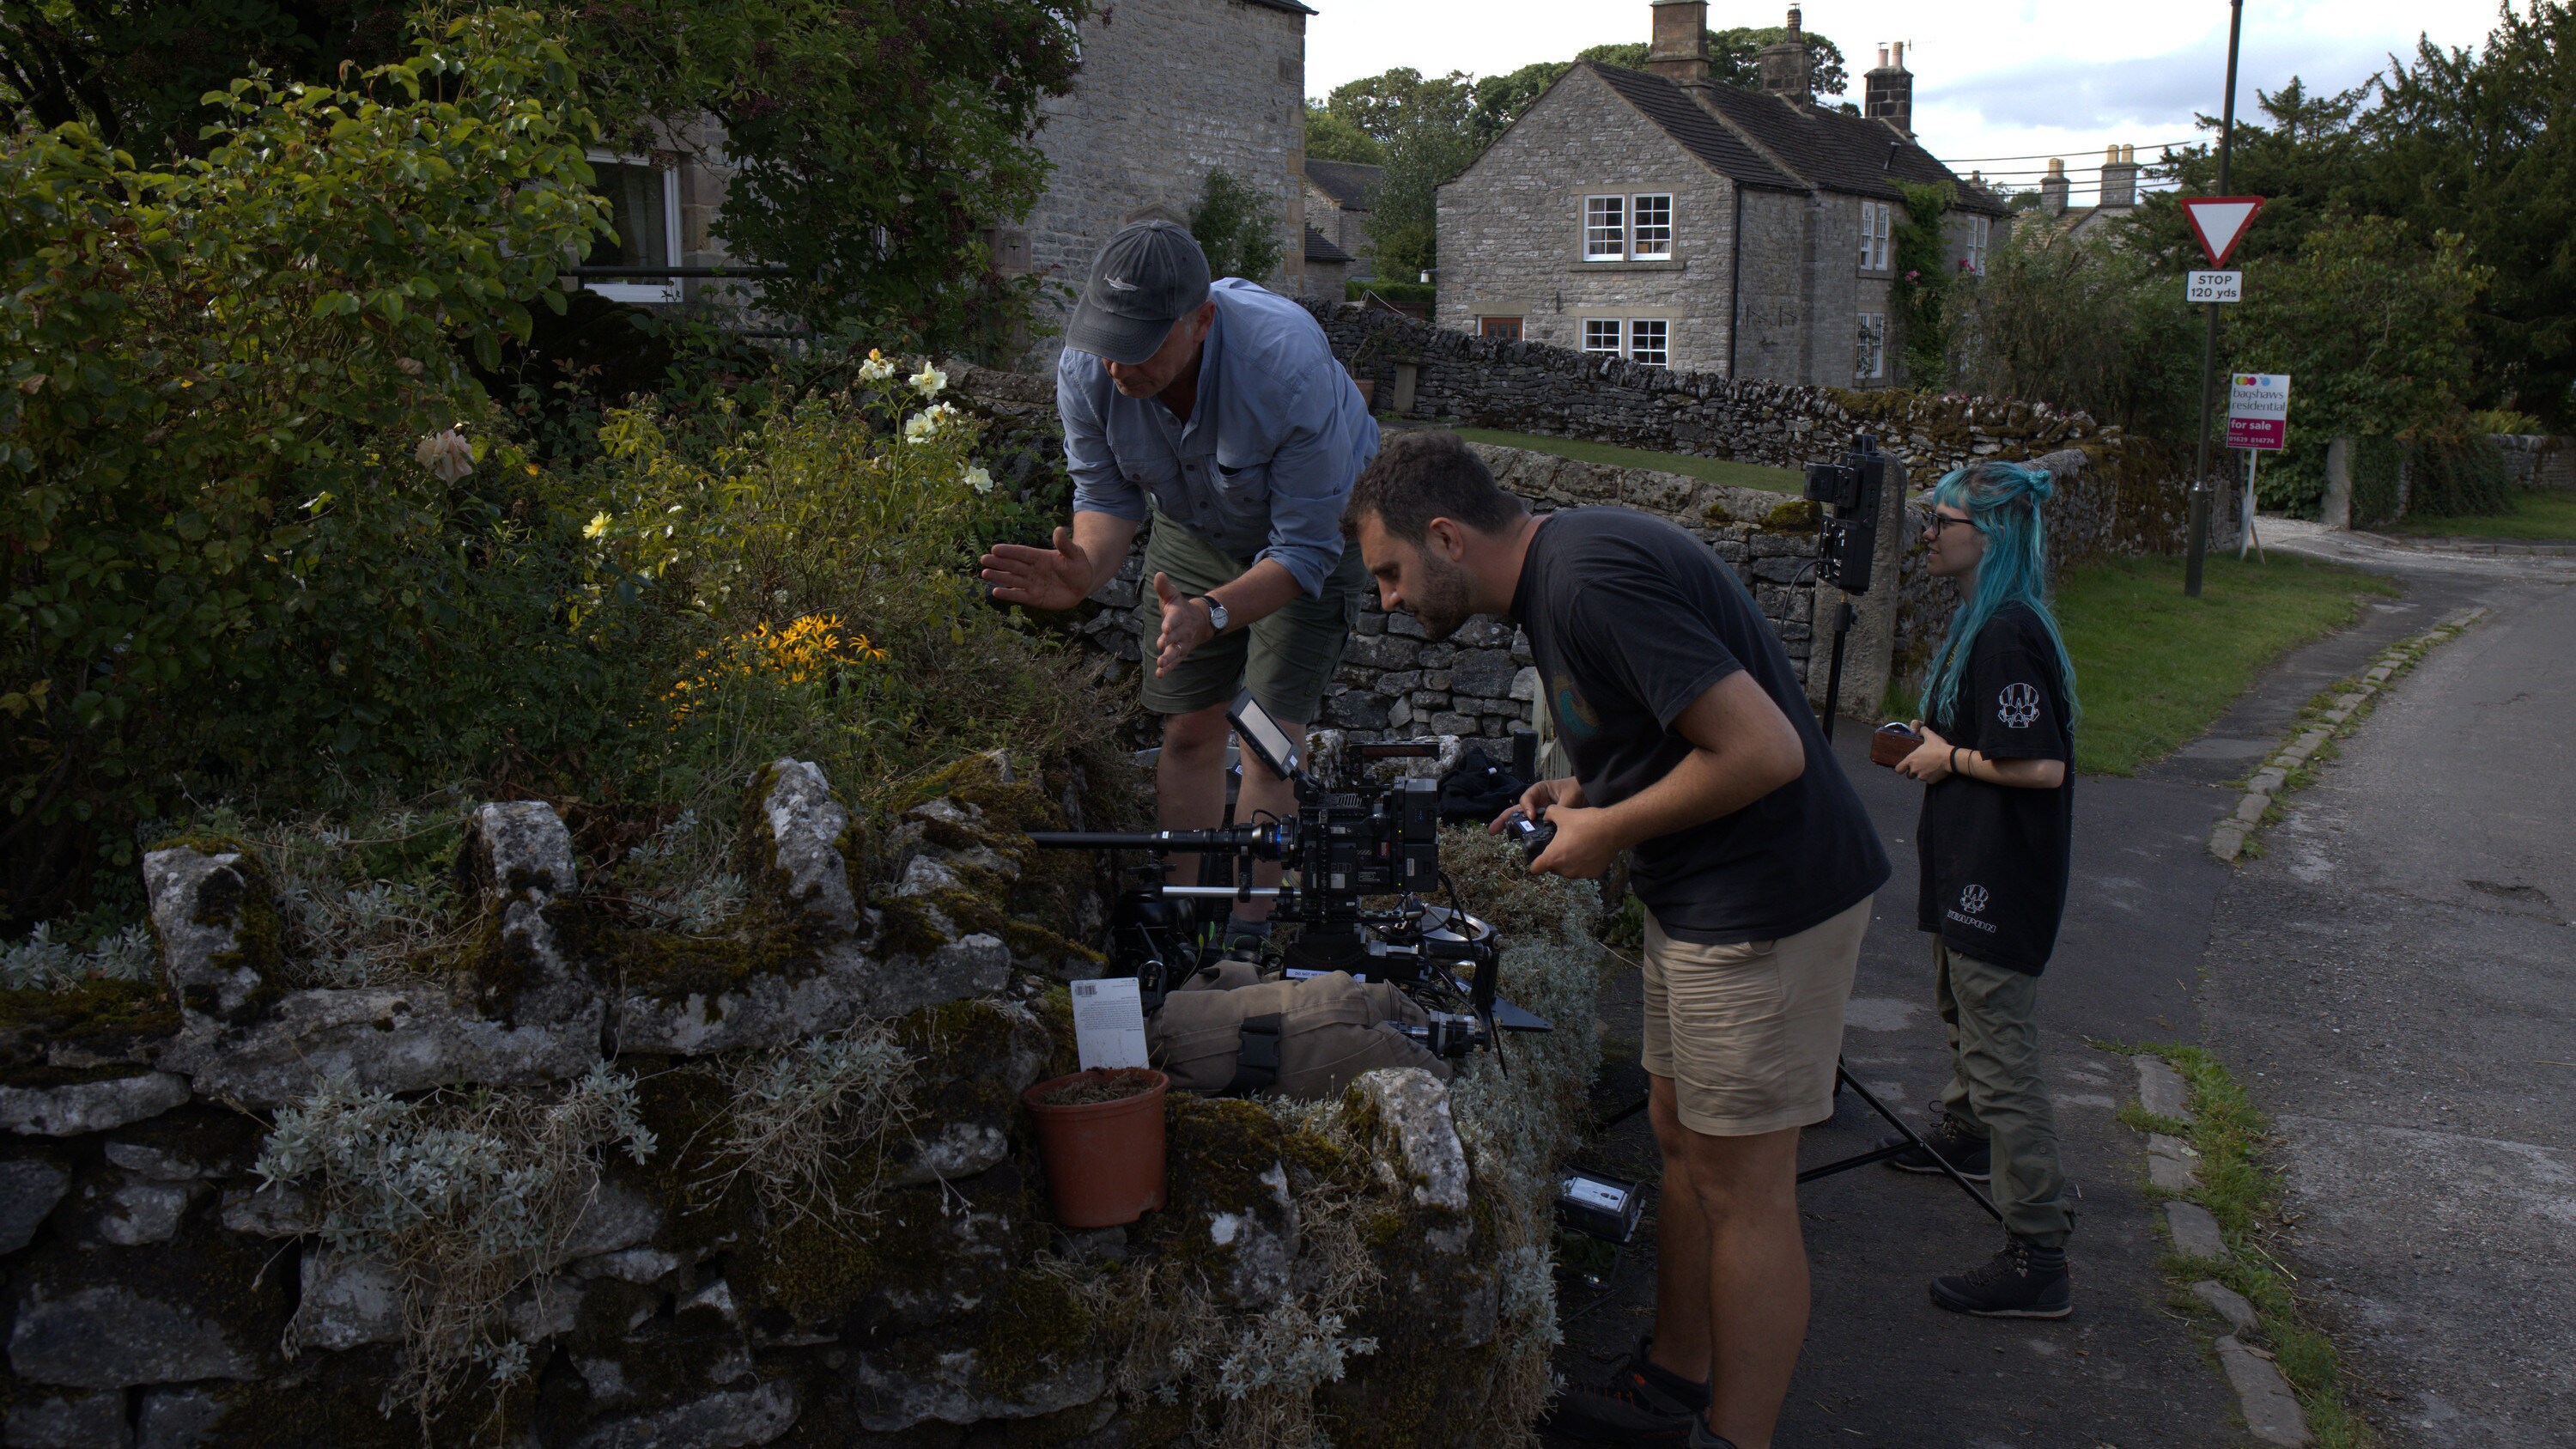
2056, 155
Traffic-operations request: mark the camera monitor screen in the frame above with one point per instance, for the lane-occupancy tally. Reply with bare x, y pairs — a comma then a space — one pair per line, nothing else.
1262, 735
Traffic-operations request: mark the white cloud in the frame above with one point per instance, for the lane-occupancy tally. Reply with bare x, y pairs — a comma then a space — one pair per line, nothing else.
2009, 78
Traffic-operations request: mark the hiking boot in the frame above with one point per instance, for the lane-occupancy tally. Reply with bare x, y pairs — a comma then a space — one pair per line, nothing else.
2022, 1281
1637, 1403
1701, 1437
1973, 1157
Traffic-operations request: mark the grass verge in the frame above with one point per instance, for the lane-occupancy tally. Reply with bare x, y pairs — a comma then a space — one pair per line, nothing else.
2538, 515
2154, 668
2243, 1192
1709, 470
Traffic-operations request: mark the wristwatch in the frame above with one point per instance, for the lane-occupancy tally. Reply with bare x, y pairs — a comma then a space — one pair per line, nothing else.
1216, 612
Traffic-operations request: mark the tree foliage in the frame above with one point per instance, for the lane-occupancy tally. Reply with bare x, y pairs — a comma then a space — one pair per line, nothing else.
1734, 57
1924, 278
216, 375
1331, 137
2102, 329
875, 142
1237, 225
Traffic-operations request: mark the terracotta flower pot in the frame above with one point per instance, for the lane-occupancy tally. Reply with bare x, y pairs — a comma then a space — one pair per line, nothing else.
1103, 1160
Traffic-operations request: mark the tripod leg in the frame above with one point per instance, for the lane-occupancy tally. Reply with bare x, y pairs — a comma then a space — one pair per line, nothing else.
1912, 1139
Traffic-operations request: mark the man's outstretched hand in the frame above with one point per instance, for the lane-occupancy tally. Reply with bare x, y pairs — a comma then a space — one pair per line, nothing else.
1039, 578
1186, 625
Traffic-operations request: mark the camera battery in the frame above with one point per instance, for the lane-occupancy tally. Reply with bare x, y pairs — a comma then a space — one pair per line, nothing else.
1604, 1207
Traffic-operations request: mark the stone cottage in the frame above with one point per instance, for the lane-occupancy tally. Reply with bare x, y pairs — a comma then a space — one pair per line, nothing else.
1662, 217
1339, 197
1170, 90
1328, 268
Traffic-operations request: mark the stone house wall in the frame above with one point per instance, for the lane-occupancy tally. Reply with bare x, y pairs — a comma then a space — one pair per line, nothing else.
1511, 228
1169, 90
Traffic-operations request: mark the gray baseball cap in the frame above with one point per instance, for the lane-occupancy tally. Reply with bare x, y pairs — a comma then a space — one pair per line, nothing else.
1148, 277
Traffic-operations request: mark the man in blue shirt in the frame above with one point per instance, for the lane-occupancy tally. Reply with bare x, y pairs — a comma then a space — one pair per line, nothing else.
1217, 411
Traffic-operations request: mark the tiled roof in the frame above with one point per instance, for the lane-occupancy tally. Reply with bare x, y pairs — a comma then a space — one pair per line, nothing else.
1838, 152
1320, 248
1694, 129
1291, 6
1352, 183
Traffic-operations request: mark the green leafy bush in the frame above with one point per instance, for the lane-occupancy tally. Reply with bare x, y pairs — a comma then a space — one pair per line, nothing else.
1237, 225
238, 418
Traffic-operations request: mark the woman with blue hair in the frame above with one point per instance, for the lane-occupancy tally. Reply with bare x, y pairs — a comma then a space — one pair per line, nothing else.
1998, 756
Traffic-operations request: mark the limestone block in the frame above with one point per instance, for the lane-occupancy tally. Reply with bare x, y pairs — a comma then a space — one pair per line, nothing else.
957, 1149
279, 1211
1403, 625
1525, 686
1383, 651
617, 1216
727, 1419
1398, 681
519, 855
1362, 710
1437, 656
772, 1011
1413, 1107
209, 909
387, 1039
914, 1381
158, 1164
348, 1300
134, 1212
113, 1336
71, 1421
175, 1418
2169, 1174
29, 1189
2160, 1089
2272, 1412
2227, 1303
806, 824
76, 1108
2195, 1232
1485, 673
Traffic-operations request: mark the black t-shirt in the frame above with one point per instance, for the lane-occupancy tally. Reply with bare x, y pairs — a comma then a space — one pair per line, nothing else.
1631, 620
1996, 858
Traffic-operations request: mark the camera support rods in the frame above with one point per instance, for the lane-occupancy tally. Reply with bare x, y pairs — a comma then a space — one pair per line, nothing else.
1844, 617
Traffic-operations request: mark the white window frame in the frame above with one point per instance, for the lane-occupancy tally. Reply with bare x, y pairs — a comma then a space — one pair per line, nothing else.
1605, 228
1869, 348
1877, 232
1663, 343
1663, 201
668, 289
1980, 234
1618, 331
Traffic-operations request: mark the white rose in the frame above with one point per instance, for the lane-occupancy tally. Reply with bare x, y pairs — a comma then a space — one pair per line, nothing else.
929, 381
875, 369
446, 454
979, 480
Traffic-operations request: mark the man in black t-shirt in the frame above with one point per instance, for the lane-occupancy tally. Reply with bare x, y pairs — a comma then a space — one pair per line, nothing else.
1995, 843
1693, 746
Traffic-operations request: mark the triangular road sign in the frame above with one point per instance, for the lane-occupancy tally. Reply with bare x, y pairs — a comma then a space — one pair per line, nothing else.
2221, 222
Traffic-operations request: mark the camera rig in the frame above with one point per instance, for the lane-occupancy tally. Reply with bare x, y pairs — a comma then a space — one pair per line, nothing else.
1851, 488
1350, 842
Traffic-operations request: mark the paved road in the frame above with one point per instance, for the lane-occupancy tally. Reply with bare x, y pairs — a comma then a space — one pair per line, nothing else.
2132, 1369
2396, 979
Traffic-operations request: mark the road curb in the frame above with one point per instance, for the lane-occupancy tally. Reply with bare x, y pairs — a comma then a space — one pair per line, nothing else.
2323, 726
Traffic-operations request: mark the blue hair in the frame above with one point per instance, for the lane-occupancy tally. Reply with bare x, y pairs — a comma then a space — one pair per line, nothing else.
2003, 500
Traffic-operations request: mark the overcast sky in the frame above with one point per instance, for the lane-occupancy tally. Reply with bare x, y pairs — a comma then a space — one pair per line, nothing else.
2005, 78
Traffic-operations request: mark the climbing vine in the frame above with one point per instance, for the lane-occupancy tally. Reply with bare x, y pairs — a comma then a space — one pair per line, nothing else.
1924, 279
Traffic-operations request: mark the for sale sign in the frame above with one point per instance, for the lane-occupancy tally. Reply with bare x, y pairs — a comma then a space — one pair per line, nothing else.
2258, 410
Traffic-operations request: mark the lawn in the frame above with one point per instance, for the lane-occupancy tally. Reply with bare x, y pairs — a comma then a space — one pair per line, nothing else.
2538, 513
2153, 668
1712, 470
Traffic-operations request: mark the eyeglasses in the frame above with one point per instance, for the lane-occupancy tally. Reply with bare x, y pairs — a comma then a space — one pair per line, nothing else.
1941, 521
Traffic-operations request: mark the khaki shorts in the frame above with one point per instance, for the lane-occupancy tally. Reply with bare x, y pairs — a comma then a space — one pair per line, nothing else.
1748, 1034
1285, 658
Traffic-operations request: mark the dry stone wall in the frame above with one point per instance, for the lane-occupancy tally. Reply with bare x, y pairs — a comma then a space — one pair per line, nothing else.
177, 1277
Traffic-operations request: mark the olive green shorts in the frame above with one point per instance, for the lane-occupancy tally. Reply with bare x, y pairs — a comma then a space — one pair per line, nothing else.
1286, 658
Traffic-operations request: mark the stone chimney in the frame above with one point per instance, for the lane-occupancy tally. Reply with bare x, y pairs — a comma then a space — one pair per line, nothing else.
1887, 93
1679, 49
1788, 71
2052, 188
2120, 177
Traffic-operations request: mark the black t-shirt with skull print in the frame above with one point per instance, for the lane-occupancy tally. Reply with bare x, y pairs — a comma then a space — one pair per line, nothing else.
1996, 859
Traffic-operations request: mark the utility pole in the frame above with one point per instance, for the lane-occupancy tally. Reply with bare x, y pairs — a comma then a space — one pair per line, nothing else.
2199, 546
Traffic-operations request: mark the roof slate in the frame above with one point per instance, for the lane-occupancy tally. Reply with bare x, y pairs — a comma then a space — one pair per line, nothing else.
1320, 248
1352, 183
1821, 149
1694, 129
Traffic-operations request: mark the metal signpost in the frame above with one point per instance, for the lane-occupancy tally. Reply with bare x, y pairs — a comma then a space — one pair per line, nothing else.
2217, 259
2258, 421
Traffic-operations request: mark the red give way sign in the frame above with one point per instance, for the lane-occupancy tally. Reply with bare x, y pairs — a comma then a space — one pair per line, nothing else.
2220, 222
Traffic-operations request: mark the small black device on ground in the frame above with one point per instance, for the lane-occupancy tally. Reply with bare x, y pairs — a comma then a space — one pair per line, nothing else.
1351, 843
1599, 1204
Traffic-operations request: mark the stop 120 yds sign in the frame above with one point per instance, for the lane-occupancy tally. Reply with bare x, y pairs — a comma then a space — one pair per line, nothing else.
2258, 410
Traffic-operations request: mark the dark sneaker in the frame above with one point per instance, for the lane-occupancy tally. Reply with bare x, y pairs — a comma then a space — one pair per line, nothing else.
2019, 1282
1638, 1403
1972, 1156
1702, 1438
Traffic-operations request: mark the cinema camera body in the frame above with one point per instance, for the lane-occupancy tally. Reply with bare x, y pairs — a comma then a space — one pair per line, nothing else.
1350, 842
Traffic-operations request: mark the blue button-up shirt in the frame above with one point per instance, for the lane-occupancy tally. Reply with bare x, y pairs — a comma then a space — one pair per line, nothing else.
1267, 458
